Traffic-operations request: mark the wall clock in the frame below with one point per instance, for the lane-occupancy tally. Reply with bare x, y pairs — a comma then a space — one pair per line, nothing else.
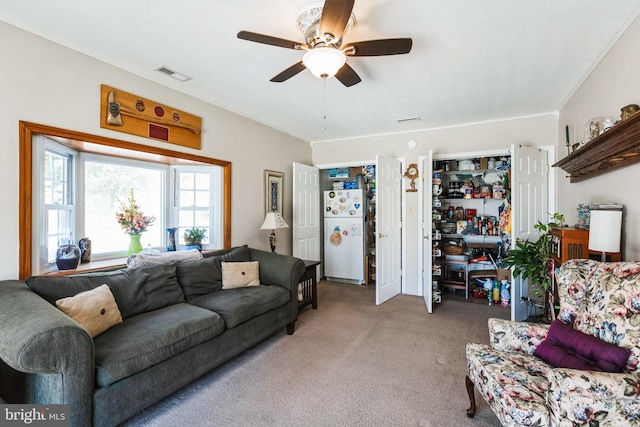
412, 174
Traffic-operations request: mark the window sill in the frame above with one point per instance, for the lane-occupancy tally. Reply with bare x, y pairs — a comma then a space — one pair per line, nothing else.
91, 266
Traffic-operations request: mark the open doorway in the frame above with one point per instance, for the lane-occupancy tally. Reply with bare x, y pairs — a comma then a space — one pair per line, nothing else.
366, 198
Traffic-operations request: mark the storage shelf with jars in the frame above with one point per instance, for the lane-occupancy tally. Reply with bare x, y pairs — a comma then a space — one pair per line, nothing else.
468, 201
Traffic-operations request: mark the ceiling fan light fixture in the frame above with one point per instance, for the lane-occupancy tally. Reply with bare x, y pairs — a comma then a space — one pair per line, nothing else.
323, 61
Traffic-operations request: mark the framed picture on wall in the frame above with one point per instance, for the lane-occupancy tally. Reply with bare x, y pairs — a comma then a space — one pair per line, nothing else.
273, 188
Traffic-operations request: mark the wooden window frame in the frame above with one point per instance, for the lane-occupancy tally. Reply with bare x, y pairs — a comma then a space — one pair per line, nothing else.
85, 142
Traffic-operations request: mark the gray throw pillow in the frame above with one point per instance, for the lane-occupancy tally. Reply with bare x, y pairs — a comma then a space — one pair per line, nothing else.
204, 276
136, 291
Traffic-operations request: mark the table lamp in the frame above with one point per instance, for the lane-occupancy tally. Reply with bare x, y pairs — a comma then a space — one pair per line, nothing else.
604, 232
272, 221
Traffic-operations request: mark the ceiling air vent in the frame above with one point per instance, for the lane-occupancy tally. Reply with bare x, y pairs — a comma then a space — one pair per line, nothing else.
169, 72
408, 119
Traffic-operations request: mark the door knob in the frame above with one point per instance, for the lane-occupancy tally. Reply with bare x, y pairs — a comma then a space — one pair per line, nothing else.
380, 235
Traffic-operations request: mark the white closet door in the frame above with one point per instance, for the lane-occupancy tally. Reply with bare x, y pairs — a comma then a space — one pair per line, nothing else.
306, 212
388, 228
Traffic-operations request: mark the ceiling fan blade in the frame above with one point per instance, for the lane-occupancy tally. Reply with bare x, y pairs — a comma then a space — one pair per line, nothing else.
335, 15
270, 40
289, 72
379, 47
348, 76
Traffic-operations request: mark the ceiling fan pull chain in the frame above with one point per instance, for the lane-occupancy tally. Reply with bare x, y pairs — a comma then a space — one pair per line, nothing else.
324, 104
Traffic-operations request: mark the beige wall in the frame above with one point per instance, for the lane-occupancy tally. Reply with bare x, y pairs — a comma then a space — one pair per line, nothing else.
533, 132
613, 84
45, 83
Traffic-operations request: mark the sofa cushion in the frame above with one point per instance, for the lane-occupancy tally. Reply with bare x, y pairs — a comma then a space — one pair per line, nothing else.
150, 338
136, 291
204, 276
612, 312
568, 348
238, 305
514, 384
95, 310
573, 282
240, 274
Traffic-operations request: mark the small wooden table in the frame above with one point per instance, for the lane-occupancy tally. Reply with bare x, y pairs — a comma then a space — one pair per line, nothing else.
307, 288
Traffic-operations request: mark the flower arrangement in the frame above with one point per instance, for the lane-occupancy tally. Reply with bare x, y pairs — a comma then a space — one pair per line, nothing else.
131, 219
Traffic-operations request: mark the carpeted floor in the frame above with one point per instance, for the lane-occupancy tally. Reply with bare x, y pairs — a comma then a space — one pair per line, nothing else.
349, 363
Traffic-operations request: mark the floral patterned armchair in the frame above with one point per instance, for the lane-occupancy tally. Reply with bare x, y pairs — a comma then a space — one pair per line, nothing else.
598, 299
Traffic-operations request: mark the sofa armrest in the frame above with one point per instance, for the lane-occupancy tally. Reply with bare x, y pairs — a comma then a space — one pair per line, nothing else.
519, 337
583, 397
38, 339
280, 270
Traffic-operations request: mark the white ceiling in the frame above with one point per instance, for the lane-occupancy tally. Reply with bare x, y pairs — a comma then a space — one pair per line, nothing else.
472, 60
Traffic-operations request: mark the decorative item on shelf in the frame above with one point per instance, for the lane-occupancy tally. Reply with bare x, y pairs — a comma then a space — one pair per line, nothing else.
133, 221
628, 111
604, 231
171, 239
273, 221
68, 257
593, 129
412, 174
194, 236
85, 250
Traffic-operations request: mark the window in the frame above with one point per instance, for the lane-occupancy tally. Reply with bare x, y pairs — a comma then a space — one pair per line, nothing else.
196, 192
109, 179
69, 182
56, 218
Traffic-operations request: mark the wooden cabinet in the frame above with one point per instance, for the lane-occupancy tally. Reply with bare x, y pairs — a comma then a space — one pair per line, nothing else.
573, 243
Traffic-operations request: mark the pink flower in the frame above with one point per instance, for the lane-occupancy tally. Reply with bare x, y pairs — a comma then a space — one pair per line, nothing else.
619, 311
576, 291
624, 269
632, 301
132, 220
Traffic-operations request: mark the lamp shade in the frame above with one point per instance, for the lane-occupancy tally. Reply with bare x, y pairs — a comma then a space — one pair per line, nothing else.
604, 230
273, 221
324, 61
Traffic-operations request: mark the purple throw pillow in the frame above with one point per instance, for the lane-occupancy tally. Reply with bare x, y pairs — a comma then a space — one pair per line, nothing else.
565, 347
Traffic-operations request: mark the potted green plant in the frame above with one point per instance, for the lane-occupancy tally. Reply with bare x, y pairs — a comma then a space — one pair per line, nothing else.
531, 260
193, 237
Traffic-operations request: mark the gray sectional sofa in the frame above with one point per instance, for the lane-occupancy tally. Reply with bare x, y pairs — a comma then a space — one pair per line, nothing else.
178, 324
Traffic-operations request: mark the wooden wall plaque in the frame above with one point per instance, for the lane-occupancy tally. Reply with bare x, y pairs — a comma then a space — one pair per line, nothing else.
128, 113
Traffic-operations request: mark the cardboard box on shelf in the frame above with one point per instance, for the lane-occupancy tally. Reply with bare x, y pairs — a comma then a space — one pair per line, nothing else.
339, 173
504, 274
484, 163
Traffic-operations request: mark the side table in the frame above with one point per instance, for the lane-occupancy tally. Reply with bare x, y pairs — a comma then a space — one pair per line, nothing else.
307, 288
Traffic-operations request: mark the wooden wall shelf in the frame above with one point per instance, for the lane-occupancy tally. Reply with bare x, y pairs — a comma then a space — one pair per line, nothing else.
614, 149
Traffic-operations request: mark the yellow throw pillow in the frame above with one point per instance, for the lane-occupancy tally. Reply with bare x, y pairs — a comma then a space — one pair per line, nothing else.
95, 310
240, 274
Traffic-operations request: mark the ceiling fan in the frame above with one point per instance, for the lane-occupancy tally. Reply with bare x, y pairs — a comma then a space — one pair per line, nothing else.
324, 26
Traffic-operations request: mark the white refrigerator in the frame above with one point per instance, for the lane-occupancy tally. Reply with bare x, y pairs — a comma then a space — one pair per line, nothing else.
344, 235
